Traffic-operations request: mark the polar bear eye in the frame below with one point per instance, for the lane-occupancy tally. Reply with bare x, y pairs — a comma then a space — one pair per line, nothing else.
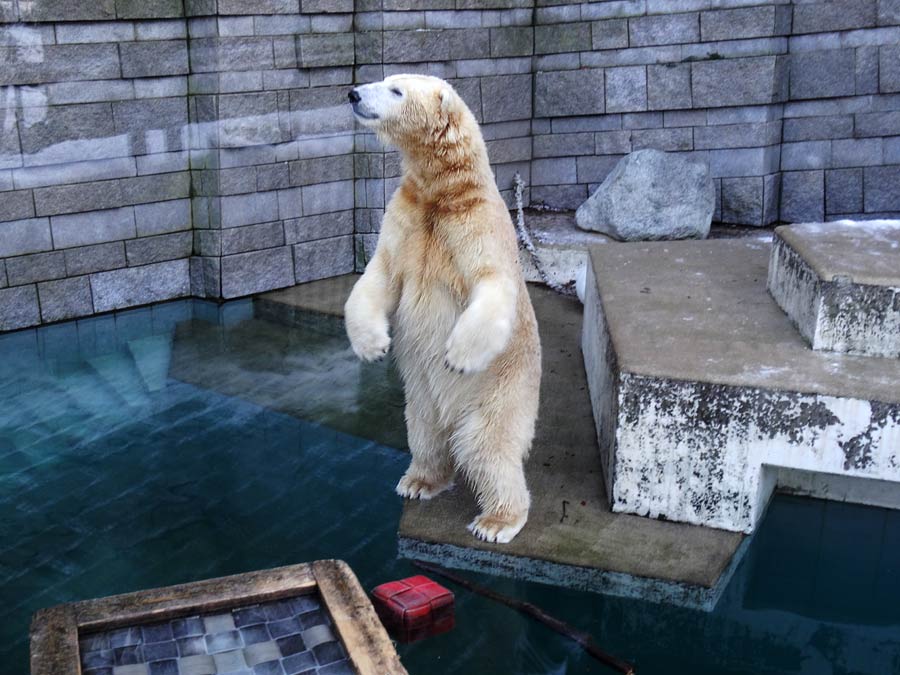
396, 92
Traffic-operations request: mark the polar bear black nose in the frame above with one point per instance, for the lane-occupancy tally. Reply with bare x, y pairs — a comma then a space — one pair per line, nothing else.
353, 96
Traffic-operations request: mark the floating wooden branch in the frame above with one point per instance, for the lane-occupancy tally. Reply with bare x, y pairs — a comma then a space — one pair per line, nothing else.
582, 638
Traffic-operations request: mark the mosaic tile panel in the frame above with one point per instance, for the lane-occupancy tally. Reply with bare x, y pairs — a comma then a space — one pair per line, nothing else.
285, 637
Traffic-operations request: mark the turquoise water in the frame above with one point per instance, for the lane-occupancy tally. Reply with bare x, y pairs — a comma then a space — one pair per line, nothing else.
190, 440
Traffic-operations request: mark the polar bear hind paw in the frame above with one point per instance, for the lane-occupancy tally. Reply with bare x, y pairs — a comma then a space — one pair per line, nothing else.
497, 528
414, 487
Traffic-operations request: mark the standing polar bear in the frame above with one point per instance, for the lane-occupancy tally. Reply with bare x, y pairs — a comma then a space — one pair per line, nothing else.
446, 275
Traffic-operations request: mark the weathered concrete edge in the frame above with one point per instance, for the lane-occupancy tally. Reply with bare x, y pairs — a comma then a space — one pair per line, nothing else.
795, 287
606, 582
832, 314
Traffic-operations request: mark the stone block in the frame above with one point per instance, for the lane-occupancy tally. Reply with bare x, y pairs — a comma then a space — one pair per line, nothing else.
65, 299
856, 152
256, 207
867, 70
239, 7
736, 136
889, 12
411, 46
59, 63
559, 196
323, 258
553, 171
882, 189
161, 30
368, 47
664, 29
565, 93
803, 196
506, 150
149, 9
154, 125
594, 170
28, 269
771, 198
156, 188
563, 145
833, 15
742, 200
735, 82
256, 272
679, 139
67, 10
669, 86
322, 226
106, 31
506, 97
327, 197
19, 307
611, 34
878, 124
211, 55
512, 41
206, 277
889, 69
743, 162
16, 205
737, 24
157, 58
843, 191
321, 170
162, 217
473, 43
20, 237
290, 203
562, 37
806, 155
249, 119
281, 25
97, 258
161, 247
322, 6
818, 128
613, 142
823, 74
317, 51
50, 140
93, 227
626, 89
132, 286
252, 238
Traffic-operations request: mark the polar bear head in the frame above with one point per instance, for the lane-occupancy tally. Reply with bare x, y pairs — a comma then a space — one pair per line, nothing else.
412, 110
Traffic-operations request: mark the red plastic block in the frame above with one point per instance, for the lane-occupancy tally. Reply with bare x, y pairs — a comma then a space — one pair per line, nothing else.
414, 608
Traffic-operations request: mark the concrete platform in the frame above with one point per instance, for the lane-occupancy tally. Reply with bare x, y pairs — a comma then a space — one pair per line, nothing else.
840, 284
706, 398
572, 538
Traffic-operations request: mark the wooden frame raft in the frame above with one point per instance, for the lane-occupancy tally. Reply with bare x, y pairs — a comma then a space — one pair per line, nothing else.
55, 631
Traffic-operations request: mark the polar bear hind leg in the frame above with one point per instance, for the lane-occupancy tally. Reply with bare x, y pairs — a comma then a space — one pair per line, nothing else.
490, 450
431, 470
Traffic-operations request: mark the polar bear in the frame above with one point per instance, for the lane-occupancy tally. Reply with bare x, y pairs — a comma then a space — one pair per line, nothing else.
445, 275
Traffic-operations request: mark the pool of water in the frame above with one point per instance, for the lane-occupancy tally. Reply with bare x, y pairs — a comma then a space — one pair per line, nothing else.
191, 440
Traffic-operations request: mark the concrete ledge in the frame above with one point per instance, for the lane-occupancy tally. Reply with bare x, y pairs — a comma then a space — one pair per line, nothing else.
840, 284
698, 381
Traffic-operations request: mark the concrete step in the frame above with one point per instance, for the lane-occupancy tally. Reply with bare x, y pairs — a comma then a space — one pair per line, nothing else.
706, 399
840, 284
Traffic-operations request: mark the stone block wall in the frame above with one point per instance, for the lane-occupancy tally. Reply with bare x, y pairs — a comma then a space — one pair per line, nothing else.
164, 148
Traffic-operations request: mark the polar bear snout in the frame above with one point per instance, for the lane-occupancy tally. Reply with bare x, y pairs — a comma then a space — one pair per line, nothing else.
354, 96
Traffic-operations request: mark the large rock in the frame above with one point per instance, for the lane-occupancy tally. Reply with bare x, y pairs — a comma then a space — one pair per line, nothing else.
651, 195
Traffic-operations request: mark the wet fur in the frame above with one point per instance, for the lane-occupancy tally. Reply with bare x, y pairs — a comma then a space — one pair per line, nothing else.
445, 274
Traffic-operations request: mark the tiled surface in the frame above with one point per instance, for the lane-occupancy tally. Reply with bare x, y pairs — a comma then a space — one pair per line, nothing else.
285, 637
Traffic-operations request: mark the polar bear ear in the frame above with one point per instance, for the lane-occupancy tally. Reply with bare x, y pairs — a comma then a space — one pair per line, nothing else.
446, 99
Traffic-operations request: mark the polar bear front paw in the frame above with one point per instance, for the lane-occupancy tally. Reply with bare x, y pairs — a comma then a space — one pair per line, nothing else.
471, 351
370, 343
496, 528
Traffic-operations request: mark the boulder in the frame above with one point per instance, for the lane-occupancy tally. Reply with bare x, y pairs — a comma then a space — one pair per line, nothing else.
652, 195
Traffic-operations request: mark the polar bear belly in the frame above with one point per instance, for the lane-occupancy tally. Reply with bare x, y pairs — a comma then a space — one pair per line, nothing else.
424, 320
